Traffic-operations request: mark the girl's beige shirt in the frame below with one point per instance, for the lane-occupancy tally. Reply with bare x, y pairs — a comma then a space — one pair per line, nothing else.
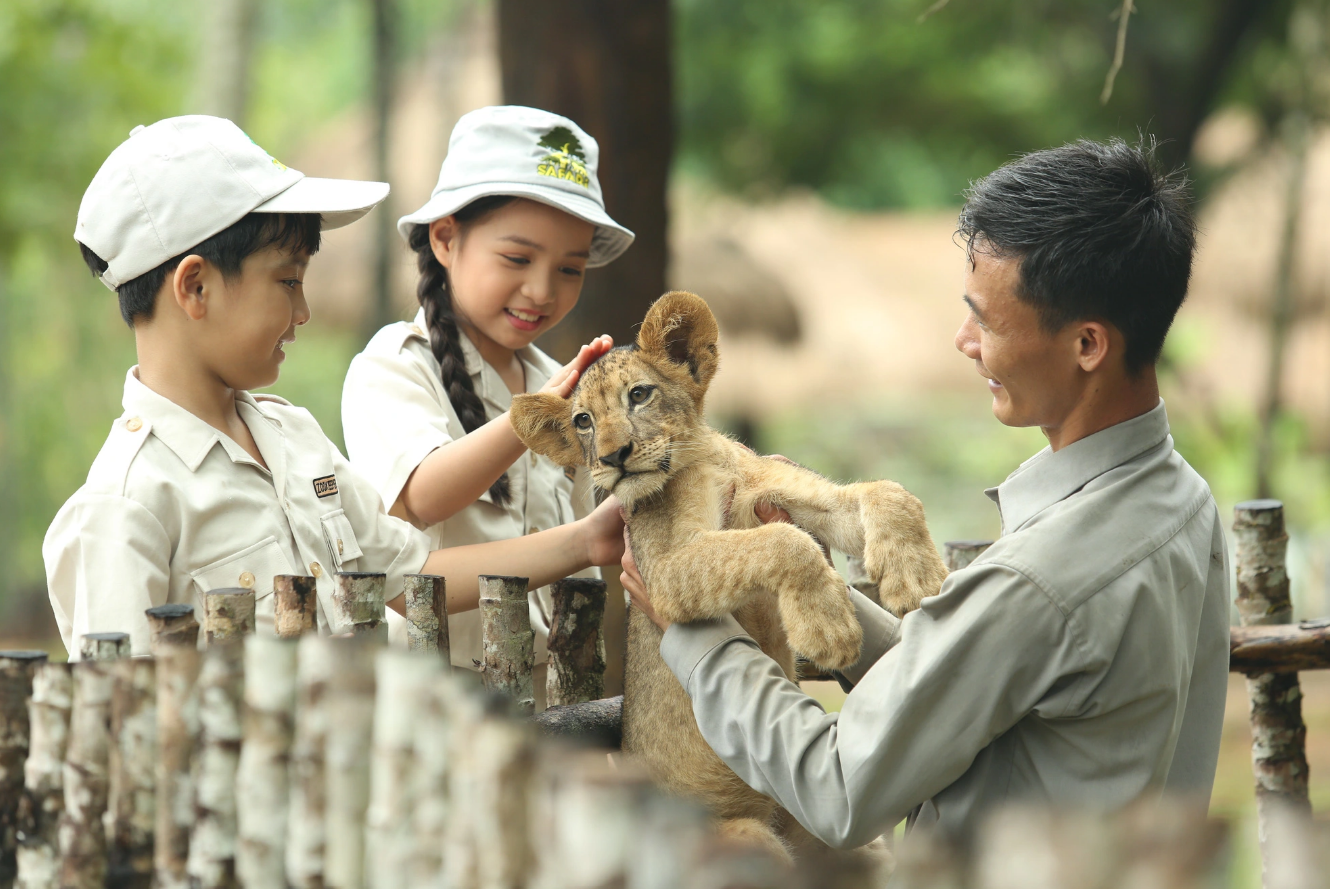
395, 413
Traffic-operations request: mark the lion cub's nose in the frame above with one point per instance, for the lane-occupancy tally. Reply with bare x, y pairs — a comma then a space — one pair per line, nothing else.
617, 458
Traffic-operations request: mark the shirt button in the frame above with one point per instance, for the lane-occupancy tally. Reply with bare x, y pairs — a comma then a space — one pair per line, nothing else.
247, 580
134, 424
316, 569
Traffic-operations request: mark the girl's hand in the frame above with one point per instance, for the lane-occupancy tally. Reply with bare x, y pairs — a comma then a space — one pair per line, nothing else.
602, 533
562, 383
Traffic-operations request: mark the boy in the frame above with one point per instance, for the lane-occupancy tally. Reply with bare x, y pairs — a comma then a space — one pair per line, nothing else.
206, 238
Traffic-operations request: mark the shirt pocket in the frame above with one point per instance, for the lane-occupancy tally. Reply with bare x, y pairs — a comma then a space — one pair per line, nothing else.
340, 537
252, 568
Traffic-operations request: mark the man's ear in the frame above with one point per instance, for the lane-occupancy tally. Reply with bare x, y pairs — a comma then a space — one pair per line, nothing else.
680, 328
544, 424
187, 287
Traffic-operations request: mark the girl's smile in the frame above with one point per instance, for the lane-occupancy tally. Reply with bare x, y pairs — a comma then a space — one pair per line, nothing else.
524, 320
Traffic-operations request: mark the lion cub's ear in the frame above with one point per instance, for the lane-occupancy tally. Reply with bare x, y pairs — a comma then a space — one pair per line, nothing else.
680, 327
543, 422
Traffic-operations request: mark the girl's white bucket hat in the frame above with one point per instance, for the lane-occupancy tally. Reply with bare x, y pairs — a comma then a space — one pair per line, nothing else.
528, 153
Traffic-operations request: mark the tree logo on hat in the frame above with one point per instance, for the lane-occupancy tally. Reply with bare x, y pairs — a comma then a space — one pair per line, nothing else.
566, 158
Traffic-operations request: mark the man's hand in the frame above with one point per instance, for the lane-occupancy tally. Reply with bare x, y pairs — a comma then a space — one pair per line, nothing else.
632, 581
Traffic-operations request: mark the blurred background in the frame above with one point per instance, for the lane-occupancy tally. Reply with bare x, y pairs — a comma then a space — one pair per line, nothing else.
799, 163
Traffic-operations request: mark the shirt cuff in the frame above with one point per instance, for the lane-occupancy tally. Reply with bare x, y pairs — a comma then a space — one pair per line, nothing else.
882, 631
684, 645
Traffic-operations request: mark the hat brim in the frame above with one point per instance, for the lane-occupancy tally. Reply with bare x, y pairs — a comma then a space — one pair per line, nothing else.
609, 241
338, 201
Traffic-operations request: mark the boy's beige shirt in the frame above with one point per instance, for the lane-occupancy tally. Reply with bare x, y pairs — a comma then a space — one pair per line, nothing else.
395, 412
1081, 660
173, 508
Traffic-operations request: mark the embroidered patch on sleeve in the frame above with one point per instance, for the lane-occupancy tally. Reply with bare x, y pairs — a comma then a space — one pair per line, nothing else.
325, 487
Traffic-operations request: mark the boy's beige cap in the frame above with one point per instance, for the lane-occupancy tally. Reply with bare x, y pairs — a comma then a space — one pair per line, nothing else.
174, 184
529, 153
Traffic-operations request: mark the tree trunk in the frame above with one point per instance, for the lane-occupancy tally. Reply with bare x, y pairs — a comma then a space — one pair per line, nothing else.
227, 56
359, 602
212, 843
43, 775
351, 724
427, 615
385, 222
82, 831
16, 673
177, 731
172, 624
133, 802
295, 605
508, 643
229, 614
261, 777
606, 66
103, 646
593, 722
1279, 756
576, 645
305, 834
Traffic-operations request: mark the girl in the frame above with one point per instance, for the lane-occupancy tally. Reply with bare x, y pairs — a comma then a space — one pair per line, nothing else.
502, 245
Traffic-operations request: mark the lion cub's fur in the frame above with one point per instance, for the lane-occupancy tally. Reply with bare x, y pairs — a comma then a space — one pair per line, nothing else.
636, 421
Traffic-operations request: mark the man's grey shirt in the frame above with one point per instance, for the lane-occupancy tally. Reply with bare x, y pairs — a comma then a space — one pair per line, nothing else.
1083, 659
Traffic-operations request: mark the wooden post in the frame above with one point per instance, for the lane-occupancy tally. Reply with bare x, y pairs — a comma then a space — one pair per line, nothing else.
958, 554
229, 614
576, 644
431, 728
295, 605
1281, 648
673, 835
103, 646
177, 729
305, 831
82, 831
351, 723
403, 680
261, 777
504, 760
507, 641
43, 773
212, 843
461, 850
1279, 757
16, 672
360, 604
427, 614
172, 624
583, 795
133, 763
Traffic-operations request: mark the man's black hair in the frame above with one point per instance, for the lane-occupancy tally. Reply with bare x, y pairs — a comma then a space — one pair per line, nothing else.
228, 250
1101, 232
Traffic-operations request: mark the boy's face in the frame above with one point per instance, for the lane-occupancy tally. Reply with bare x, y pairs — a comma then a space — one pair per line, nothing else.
252, 316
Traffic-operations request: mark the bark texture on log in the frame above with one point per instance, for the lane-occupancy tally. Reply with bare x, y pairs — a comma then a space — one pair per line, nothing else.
103, 646
958, 554
504, 760
351, 725
172, 624
1279, 757
44, 784
82, 830
212, 843
358, 600
576, 670
596, 722
16, 672
295, 605
261, 777
427, 614
404, 680
177, 733
461, 852
508, 643
305, 827
430, 733
1289, 648
230, 614
133, 793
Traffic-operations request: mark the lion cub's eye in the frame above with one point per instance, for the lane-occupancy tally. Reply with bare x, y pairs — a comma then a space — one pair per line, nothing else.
582, 421
639, 394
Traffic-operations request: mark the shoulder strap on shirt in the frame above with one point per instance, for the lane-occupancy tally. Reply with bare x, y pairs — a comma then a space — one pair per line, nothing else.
109, 470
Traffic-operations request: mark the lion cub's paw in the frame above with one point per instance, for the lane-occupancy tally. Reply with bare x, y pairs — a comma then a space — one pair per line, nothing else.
821, 624
905, 573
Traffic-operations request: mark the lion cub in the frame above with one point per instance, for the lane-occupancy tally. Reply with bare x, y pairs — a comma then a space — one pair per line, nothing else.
636, 420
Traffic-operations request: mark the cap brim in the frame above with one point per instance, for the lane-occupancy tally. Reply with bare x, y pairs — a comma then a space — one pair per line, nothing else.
339, 201
610, 240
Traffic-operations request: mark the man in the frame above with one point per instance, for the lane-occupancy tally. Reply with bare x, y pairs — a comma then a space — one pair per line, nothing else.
1083, 658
